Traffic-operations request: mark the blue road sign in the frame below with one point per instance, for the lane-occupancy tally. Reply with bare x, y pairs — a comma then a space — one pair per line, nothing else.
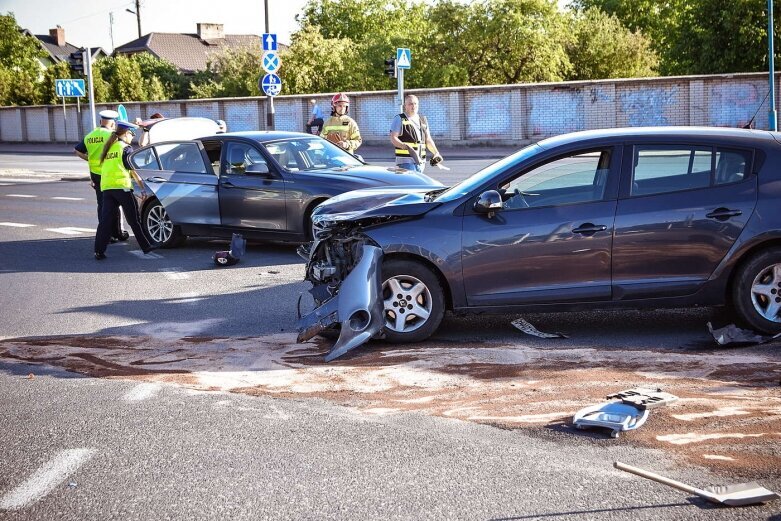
269, 41
271, 61
69, 88
271, 84
403, 58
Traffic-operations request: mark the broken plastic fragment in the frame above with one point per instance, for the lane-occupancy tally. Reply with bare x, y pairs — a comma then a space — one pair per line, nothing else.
529, 329
732, 334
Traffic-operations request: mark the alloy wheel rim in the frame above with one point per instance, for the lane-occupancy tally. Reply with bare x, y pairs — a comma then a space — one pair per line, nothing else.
159, 224
766, 293
407, 303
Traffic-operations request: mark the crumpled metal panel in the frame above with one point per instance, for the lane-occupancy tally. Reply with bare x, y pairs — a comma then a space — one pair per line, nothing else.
357, 307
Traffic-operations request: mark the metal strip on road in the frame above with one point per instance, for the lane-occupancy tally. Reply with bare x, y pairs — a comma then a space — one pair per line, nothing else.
25, 196
68, 198
45, 479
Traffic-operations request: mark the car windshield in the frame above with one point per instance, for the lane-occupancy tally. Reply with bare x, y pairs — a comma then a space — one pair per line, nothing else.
310, 154
470, 184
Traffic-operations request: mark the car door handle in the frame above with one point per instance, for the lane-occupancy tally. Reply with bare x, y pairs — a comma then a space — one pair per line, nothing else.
722, 214
156, 179
590, 229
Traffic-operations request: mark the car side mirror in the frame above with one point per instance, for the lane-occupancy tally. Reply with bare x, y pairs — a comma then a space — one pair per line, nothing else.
489, 203
257, 169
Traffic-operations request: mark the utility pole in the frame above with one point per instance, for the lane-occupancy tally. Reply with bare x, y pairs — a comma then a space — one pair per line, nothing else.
771, 113
269, 99
138, 16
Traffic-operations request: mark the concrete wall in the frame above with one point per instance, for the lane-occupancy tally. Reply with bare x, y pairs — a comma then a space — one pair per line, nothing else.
504, 114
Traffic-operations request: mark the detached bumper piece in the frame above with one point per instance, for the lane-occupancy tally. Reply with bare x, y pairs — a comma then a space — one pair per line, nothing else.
630, 413
356, 308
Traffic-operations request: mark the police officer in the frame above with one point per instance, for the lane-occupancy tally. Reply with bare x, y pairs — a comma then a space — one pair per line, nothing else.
340, 128
90, 149
410, 136
116, 178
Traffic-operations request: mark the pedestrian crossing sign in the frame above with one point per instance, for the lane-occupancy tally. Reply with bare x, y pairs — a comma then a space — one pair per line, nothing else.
403, 58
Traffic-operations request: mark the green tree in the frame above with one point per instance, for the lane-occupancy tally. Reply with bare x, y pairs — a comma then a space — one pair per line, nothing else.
603, 48
162, 79
314, 63
230, 73
19, 61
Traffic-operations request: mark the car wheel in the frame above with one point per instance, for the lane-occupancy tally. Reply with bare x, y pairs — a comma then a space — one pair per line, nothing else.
413, 301
158, 227
757, 292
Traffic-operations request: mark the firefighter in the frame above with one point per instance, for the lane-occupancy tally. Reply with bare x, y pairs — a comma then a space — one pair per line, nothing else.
340, 128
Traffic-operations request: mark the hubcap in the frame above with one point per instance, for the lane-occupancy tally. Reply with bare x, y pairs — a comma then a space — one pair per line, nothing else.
766, 293
407, 303
158, 224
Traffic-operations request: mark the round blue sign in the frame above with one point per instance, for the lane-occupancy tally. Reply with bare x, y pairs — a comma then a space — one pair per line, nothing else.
271, 84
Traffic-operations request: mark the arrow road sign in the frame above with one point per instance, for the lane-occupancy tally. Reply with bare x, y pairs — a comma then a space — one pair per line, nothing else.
271, 61
403, 58
269, 41
69, 88
271, 84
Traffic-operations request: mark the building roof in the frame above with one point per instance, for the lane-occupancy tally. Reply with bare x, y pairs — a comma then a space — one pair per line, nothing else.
188, 52
57, 52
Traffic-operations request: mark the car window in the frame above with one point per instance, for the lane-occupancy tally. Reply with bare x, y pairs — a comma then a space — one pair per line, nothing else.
145, 160
576, 178
661, 169
732, 166
310, 154
181, 157
238, 156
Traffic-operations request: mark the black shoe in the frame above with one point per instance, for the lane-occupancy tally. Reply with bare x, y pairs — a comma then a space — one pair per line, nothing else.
123, 236
100, 256
114, 240
152, 247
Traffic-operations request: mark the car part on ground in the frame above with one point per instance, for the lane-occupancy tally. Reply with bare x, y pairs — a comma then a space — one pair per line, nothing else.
354, 303
738, 495
630, 413
158, 227
523, 325
232, 256
733, 335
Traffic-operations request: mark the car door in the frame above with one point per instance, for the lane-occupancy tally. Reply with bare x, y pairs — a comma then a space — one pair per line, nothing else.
680, 210
182, 179
551, 242
251, 200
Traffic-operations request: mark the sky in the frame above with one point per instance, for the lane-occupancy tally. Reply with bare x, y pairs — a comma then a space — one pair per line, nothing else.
86, 22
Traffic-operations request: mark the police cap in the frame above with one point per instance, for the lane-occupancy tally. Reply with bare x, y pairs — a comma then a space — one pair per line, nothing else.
126, 125
108, 114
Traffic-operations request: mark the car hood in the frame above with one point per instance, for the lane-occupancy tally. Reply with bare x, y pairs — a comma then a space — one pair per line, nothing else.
376, 176
375, 202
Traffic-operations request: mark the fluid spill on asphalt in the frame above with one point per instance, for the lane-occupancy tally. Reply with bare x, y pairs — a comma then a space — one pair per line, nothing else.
728, 415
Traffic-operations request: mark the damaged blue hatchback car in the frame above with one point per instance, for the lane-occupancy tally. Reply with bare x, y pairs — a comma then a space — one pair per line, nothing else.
620, 218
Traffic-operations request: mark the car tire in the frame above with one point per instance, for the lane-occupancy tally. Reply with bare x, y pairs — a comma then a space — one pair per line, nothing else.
158, 227
756, 292
408, 287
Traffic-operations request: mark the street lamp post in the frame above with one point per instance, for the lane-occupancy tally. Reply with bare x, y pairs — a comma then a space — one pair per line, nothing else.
771, 116
137, 12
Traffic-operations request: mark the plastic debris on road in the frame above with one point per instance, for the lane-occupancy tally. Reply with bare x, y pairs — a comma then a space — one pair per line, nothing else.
523, 325
732, 334
627, 414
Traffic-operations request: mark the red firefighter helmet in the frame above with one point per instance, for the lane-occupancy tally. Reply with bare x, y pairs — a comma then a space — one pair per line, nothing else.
340, 97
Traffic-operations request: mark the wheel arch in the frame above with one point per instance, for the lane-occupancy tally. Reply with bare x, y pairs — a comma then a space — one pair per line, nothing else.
431, 266
745, 257
308, 214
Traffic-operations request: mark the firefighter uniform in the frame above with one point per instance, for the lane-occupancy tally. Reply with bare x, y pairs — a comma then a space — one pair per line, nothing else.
342, 128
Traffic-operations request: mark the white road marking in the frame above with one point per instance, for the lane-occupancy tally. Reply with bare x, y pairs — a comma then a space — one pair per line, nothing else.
174, 273
142, 392
71, 230
26, 196
148, 256
45, 479
17, 225
68, 198
17, 180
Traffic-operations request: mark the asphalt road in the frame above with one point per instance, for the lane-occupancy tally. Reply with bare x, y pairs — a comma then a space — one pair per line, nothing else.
84, 438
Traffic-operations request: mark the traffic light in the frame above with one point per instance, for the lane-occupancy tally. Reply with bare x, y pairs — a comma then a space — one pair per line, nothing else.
390, 67
77, 61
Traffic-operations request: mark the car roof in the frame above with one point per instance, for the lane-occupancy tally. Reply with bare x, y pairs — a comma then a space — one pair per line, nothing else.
677, 133
265, 136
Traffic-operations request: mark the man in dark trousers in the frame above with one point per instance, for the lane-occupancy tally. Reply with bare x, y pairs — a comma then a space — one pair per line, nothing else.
89, 149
